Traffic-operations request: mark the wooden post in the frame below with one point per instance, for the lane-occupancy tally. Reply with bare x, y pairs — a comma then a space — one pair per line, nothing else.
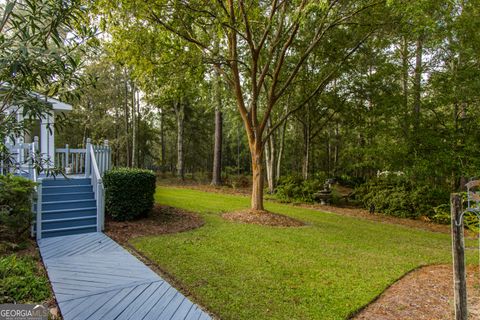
87, 158
99, 199
107, 155
458, 251
67, 155
39, 211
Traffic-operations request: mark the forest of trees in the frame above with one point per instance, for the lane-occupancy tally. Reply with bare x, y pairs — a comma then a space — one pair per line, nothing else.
268, 89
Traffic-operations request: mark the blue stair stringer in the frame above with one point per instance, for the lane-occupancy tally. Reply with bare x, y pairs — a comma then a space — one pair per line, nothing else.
68, 207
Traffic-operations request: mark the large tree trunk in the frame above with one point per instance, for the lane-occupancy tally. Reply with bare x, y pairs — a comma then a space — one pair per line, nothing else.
127, 144
257, 175
115, 153
134, 125
336, 150
162, 140
306, 151
217, 152
280, 151
180, 115
417, 82
270, 160
405, 64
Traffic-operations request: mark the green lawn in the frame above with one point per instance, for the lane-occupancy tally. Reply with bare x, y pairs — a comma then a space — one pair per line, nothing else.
326, 270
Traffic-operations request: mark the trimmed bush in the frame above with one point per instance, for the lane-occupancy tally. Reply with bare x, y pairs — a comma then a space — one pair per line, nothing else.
129, 193
15, 207
400, 197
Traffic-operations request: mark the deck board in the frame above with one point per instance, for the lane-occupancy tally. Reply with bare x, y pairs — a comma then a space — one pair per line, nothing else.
93, 277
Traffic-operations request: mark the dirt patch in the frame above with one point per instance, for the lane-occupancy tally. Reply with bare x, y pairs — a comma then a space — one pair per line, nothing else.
426, 293
162, 220
265, 218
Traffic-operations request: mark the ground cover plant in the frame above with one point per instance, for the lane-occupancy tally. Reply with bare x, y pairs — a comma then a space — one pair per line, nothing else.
22, 281
325, 270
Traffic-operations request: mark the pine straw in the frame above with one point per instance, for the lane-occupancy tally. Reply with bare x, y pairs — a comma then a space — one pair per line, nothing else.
162, 220
425, 293
262, 217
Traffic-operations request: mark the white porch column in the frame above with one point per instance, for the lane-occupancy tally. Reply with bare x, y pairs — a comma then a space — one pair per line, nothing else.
20, 139
47, 139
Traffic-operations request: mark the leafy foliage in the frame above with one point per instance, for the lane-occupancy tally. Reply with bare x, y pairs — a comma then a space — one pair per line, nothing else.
21, 281
129, 193
398, 196
39, 44
443, 215
15, 207
294, 188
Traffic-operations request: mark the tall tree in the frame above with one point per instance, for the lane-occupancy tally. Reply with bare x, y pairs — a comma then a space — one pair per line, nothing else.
217, 149
263, 48
40, 50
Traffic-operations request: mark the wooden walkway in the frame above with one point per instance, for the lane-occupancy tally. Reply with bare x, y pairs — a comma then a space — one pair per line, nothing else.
95, 278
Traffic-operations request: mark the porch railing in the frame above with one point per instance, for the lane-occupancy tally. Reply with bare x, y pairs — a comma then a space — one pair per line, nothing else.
21, 159
70, 159
75, 161
97, 162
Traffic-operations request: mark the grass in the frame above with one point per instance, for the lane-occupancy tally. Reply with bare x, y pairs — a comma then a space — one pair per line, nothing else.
326, 270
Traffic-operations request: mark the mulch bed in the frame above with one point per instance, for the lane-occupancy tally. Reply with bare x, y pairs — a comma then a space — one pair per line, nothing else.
426, 293
264, 218
162, 220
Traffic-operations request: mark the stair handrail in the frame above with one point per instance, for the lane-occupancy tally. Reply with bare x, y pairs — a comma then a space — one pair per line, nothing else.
37, 209
33, 150
97, 184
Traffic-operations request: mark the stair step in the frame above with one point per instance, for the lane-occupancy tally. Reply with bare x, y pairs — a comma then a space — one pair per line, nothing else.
69, 213
54, 224
68, 231
67, 196
66, 182
68, 204
66, 189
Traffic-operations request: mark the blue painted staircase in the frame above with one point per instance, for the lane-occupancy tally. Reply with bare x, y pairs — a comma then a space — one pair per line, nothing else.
68, 207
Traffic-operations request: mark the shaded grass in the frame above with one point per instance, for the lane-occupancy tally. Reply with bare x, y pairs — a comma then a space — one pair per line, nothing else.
326, 270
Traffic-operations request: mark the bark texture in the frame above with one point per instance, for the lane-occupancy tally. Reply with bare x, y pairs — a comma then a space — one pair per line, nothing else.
180, 117
217, 152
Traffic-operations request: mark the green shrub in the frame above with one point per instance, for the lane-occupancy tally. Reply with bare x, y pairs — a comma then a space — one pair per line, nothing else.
237, 181
349, 181
21, 281
443, 215
129, 193
15, 207
294, 188
400, 197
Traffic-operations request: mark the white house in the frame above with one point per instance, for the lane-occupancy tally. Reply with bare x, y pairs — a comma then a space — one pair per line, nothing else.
43, 128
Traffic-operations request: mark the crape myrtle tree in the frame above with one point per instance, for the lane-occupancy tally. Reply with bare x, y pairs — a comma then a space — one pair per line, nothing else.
259, 48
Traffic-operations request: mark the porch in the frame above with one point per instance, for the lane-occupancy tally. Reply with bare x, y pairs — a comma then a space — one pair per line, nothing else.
69, 188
